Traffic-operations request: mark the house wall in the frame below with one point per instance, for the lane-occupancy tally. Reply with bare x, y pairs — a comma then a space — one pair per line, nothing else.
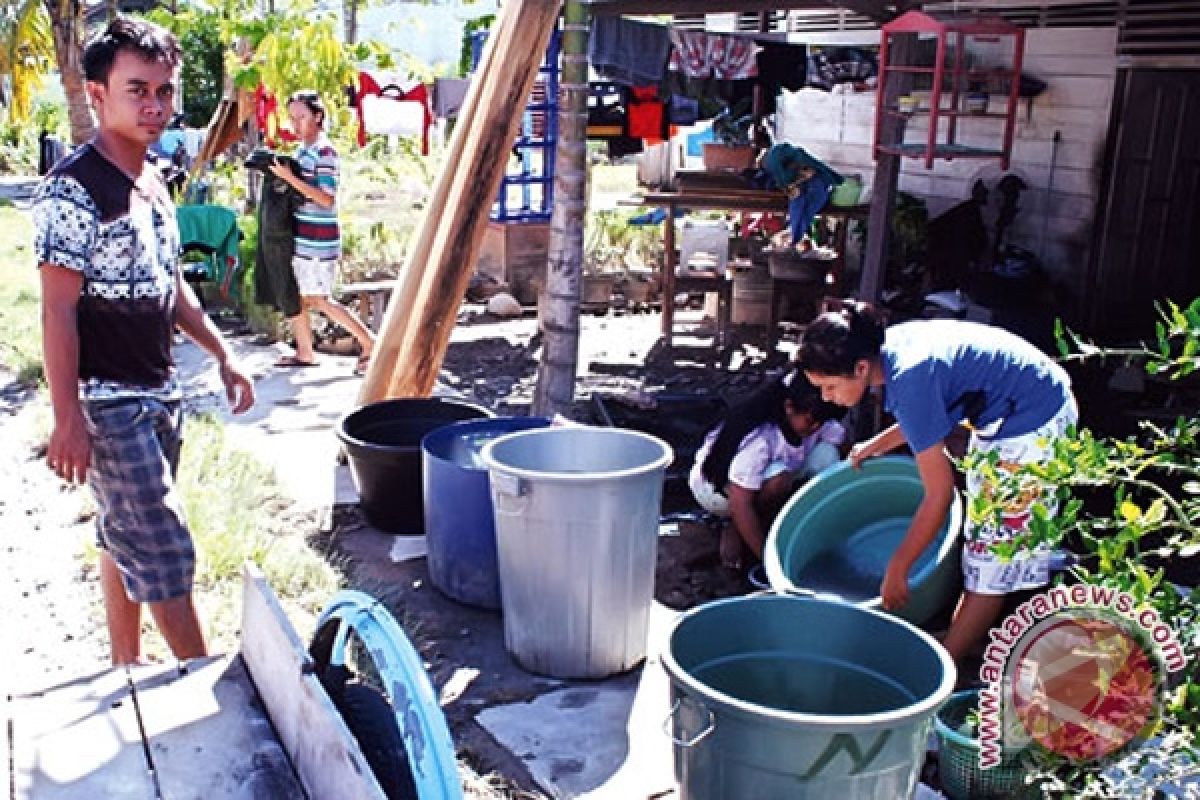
1055, 219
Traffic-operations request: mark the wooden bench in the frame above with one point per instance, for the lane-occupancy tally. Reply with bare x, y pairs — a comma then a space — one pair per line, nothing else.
373, 297
203, 732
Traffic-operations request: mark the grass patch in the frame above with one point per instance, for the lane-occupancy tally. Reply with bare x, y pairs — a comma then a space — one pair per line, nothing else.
20, 296
236, 513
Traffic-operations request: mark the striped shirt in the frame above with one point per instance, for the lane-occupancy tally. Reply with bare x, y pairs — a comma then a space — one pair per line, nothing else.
317, 234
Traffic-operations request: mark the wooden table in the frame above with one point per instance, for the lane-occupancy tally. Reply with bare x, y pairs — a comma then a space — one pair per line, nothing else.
737, 200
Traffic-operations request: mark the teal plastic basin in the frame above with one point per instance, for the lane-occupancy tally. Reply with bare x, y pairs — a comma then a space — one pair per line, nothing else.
775, 696
835, 536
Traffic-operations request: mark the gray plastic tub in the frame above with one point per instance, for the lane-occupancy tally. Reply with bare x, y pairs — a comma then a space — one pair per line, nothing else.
576, 512
793, 698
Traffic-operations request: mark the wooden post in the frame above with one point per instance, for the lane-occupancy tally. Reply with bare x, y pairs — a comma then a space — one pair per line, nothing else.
476, 179
887, 173
399, 309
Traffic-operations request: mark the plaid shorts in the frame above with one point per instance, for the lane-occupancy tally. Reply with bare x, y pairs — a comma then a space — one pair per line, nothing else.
135, 451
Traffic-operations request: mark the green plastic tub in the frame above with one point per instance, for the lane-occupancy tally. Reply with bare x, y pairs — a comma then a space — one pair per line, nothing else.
835, 536
785, 697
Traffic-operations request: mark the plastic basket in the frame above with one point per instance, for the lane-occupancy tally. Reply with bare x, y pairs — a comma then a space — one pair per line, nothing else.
958, 758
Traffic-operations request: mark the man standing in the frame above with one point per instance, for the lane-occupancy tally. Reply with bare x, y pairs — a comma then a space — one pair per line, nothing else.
107, 245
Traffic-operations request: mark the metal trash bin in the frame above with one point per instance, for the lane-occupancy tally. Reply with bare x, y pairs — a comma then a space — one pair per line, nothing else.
576, 512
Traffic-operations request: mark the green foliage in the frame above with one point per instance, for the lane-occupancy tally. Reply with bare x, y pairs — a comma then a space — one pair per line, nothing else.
1152, 521
611, 244
470, 28
26, 55
19, 139
302, 48
233, 508
201, 76
20, 330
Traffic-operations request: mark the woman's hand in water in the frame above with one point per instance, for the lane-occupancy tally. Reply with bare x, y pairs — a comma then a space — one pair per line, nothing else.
894, 589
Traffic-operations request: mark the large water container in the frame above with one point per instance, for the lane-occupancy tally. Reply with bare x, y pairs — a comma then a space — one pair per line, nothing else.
460, 531
835, 536
383, 446
576, 512
778, 697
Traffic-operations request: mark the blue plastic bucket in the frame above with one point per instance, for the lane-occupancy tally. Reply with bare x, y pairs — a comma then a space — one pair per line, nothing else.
460, 530
835, 536
776, 696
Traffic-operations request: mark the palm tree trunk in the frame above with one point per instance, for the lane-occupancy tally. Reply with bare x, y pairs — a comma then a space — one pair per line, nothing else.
66, 20
350, 20
559, 320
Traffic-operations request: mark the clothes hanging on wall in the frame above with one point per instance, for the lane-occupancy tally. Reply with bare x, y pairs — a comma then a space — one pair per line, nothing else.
829, 66
712, 96
647, 118
381, 114
621, 146
267, 118
682, 110
698, 54
448, 96
606, 110
628, 51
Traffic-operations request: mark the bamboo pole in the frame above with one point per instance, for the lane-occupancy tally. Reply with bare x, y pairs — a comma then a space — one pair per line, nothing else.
404, 297
459, 234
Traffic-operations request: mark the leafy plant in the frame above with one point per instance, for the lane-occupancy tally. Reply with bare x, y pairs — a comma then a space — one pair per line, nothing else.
1151, 524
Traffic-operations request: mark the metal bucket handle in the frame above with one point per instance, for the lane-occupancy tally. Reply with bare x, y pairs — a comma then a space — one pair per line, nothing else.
510, 492
695, 740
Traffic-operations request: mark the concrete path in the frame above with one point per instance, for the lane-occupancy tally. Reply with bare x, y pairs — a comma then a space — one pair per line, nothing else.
593, 739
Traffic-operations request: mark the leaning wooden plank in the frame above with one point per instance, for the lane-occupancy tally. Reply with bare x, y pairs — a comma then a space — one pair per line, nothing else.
326, 757
477, 178
5, 735
79, 741
400, 307
209, 735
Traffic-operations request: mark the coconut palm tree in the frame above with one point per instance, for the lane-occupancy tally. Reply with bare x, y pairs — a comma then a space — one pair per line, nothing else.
66, 23
26, 53
559, 320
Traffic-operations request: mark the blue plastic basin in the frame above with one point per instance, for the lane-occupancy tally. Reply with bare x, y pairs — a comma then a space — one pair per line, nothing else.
460, 529
835, 536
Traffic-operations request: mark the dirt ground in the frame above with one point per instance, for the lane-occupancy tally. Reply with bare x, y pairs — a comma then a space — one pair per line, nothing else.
51, 592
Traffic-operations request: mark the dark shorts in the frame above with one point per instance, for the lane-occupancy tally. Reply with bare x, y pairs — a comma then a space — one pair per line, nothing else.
135, 452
